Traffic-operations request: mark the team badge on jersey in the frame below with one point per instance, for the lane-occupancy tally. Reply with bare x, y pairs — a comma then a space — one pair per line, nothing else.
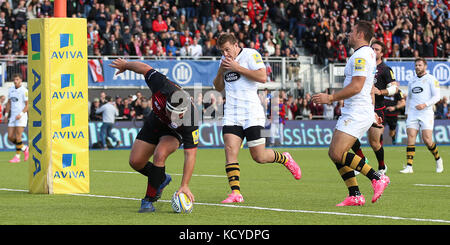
257, 58
360, 64
436, 83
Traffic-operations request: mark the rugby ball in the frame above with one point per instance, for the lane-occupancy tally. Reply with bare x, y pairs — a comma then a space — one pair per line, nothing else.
181, 203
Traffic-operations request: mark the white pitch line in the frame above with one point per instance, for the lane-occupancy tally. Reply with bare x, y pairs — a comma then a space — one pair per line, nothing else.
448, 186
128, 172
266, 209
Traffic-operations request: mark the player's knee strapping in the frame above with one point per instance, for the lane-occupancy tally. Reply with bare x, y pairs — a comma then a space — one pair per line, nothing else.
410, 152
359, 164
434, 150
233, 174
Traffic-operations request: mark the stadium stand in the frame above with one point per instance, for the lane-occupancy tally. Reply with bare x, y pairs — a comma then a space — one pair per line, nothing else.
284, 28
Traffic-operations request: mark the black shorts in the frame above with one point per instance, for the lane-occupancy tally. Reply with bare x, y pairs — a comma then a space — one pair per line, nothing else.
154, 129
391, 121
252, 134
380, 113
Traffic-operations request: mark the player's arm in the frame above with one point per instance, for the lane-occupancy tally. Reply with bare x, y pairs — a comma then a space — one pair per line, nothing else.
25, 109
259, 75
435, 93
408, 99
390, 90
7, 110
392, 85
372, 94
219, 83
400, 104
122, 65
190, 156
350, 90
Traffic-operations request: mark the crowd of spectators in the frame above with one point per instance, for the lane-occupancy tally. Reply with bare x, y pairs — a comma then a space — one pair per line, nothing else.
294, 104
190, 27
134, 107
409, 28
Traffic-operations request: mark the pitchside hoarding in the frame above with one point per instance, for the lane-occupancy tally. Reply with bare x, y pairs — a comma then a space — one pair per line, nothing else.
295, 134
183, 72
404, 71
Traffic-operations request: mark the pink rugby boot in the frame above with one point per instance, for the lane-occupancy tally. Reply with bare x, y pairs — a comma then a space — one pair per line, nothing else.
292, 166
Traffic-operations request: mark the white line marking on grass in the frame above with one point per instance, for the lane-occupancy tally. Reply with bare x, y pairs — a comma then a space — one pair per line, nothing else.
448, 186
266, 209
128, 172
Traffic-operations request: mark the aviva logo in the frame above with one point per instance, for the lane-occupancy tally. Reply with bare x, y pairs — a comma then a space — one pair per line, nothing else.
36, 46
67, 80
69, 160
65, 40
67, 120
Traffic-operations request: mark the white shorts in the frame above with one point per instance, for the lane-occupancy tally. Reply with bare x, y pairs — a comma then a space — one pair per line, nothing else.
421, 121
245, 121
22, 122
355, 124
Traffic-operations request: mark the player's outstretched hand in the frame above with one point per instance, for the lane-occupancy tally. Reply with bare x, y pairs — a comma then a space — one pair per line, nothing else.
119, 64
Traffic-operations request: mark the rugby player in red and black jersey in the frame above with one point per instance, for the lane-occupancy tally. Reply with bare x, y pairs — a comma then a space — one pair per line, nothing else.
393, 106
385, 85
172, 123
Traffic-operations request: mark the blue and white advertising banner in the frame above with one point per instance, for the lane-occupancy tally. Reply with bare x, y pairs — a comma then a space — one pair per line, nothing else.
186, 73
404, 71
296, 133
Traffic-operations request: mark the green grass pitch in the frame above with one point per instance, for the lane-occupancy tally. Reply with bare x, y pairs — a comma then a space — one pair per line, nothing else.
272, 196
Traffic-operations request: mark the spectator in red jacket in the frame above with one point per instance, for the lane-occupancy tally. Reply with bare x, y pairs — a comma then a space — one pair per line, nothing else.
186, 37
342, 53
159, 25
